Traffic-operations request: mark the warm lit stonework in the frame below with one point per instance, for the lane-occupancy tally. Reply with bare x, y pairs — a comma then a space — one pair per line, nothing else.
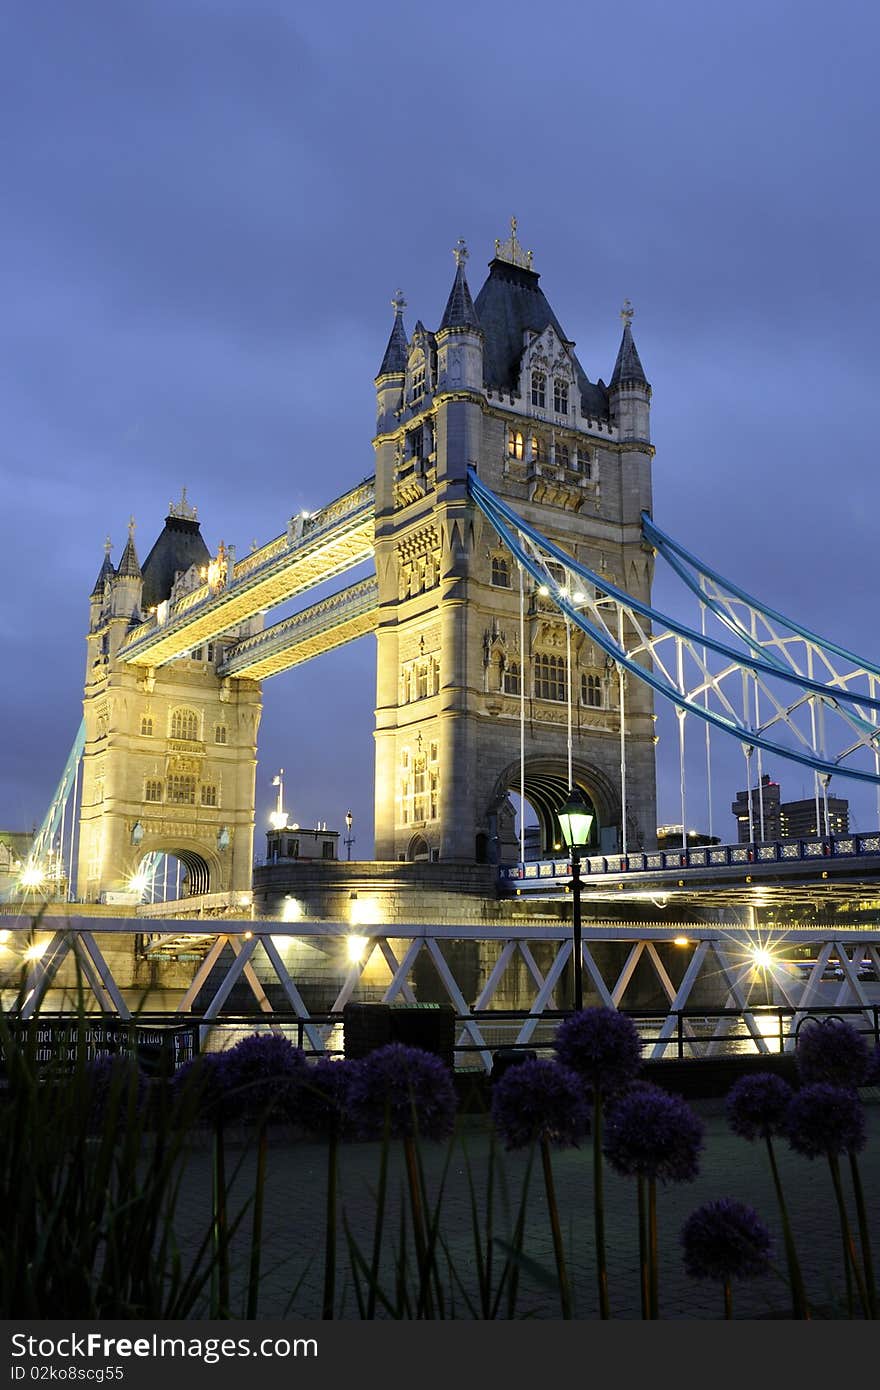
170, 753
498, 386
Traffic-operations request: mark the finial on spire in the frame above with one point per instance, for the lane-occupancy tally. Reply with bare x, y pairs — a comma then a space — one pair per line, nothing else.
511, 251
108, 546
131, 526
460, 252
398, 302
626, 314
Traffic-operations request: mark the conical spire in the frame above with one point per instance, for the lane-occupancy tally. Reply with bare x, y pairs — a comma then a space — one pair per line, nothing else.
129, 568
628, 366
394, 361
460, 311
105, 572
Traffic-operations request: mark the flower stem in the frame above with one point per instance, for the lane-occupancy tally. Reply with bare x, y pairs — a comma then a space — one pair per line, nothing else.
380, 1219
418, 1218
864, 1233
558, 1249
221, 1224
653, 1280
330, 1228
599, 1207
800, 1306
850, 1258
257, 1231
728, 1300
643, 1248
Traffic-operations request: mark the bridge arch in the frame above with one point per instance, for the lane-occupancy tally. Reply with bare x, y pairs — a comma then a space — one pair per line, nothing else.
546, 788
203, 867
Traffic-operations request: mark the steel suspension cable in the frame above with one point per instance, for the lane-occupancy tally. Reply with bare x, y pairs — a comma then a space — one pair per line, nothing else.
522, 718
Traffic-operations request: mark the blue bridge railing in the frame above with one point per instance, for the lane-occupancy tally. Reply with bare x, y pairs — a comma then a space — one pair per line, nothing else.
702, 857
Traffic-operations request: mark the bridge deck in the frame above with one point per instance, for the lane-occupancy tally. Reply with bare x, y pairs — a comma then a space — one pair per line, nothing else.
333, 541
318, 629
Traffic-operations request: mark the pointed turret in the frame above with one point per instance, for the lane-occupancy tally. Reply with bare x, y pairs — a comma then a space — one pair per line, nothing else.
459, 311
105, 572
394, 361
628, 367
129, 566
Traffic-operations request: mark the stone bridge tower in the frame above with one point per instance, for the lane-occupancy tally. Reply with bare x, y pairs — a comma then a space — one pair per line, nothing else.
498, 386
170, 753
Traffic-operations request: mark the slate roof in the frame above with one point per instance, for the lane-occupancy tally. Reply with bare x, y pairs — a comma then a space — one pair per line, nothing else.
179, 545
106, 571
394, 361
510, 302
628, 366
129, 567
459, 311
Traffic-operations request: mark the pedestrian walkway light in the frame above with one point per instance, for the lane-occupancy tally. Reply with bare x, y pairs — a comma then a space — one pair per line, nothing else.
576, 821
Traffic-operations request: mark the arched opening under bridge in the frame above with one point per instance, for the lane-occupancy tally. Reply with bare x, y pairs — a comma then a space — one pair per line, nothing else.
166, 875
546, 790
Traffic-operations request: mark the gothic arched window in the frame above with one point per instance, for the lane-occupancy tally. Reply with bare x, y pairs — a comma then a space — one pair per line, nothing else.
591, 690
539, 390
560, 396
153, 791
514, 444
511, 684
147, 725
537, 448
500, 572
185, 724
550, 682
219, 733
563, 455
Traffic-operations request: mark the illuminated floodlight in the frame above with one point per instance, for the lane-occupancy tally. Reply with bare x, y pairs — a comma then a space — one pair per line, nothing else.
138, 883
4, 937
681, 941
579, 596
356, 947
364, 912
36, 950
762, 958
31, 876
291, 910
278, 820
543, 590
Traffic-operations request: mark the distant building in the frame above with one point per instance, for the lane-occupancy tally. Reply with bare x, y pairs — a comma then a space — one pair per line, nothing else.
297, 842
669, 837
786, 820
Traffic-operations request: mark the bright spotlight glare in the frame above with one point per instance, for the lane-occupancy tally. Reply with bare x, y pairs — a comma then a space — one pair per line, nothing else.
543, 590
356, 946
32, 876
278, 820
579, 596
681, 941
36, 950
291, 910
762, 957
138, 883
4, 937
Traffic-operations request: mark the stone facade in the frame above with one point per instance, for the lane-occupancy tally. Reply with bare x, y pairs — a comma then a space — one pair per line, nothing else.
170, 755
574, 459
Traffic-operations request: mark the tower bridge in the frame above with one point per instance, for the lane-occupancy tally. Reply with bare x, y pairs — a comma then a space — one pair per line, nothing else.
510, 525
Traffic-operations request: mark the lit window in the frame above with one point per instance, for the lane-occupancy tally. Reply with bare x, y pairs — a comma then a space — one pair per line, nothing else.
219, 733
511, 679
550, 683
209, 796
539, 390
147, 725
591, 690
433, 794
185, 724
537, 448
514, 444
560, 396
419, 789
153, 791
500, 572
182, 789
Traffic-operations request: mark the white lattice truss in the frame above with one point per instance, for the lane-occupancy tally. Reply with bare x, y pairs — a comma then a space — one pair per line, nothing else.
727, 956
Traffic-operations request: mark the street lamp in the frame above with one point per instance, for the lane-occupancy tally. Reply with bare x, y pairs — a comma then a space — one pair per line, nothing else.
576, 820
349, 821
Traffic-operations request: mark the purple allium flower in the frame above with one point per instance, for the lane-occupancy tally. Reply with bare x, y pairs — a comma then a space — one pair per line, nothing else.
114, 1083
540, 1100
832, 1051
824, 1119
757, 1105
203, 1085
725, 1240
652, 1134
603, 1046
263, 1072
322, 1097
412, 1087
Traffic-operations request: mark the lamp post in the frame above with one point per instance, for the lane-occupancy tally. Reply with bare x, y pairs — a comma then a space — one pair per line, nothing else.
349, 841
576, 820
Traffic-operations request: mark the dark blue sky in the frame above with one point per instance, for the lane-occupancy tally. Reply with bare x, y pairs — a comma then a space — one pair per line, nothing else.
207, 205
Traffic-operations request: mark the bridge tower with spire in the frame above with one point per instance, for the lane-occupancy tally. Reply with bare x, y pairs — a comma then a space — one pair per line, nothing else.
170, 751
498, 387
